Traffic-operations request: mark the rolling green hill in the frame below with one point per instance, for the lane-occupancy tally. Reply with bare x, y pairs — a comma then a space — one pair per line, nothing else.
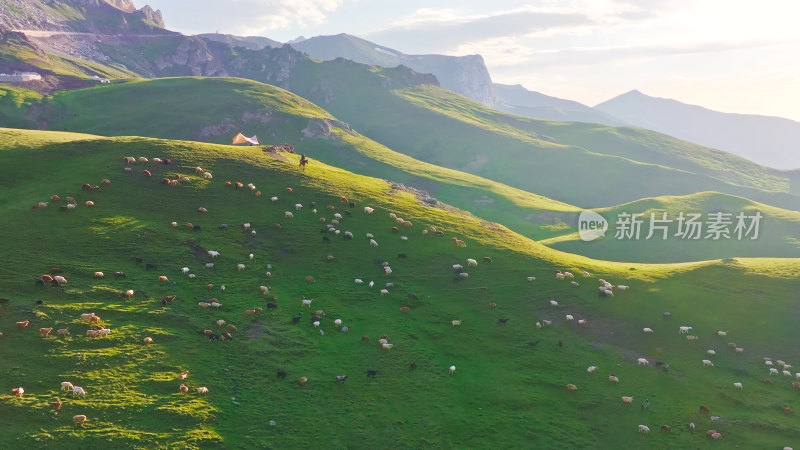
777, 231
509, 388
277, 116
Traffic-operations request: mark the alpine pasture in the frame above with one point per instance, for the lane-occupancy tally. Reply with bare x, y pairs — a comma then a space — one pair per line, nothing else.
510, 389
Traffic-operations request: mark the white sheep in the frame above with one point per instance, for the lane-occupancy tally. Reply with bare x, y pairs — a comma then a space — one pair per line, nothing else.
288, 215
246, 226
387, 346
644, 429
274, 199
298, 206
721, 333
213, 253
66, 386
207, 175
711, 352
316, 324
787, 373
707, 363
337, 216
574, 283
456, 323
370, 236
209, 265
642, 362
307, 302
738, 385
77, 390
452, 370
622, 287
371, 283
251, 256
240, 267
368, 210
472, 262
359, 281
384, 292
185, 270
684, 329
581, 321
647, 330
591, 369
337, 322
373, 243
531, 279
463, 275
569, 317
627, 399
553, 303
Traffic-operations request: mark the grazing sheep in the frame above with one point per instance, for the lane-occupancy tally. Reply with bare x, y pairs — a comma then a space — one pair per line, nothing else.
23, 324
711, 352
591, 369
642, 362
785, 372
384, 292
472, 262
62, 331
207, 175
307, 302
647, 330
572, 387
644, 429
341, 378
183, 375
77, 390
183, 389
89, 203
373, 243
185, 270
302, 380
66, 386
148, 340
337, 322
738, 385
79, 419
553, 303
44, 332
99, 274
452, 370
626, 399
163, 279
387, 346
707, 363
738, 350
368, 210
569, 317
721, 333
202, 390
288, 215
456, 323
684, 329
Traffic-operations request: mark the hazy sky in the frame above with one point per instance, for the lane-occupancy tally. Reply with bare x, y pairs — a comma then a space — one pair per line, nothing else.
730, 55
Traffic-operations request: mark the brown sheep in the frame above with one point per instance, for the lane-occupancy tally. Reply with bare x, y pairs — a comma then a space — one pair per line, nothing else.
183, 389
23, 324
63, 331
45, 331
56, 405
365, 339
302, 381
572, 387
80, 419
184, 374
148, 340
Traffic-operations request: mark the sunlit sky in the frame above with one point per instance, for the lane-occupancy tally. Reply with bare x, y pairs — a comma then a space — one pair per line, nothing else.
729, 55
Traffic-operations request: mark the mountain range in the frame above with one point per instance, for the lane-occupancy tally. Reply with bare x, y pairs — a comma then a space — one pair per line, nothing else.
771, 141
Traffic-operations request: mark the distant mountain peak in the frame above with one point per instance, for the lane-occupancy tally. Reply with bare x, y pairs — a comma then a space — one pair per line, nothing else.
297, 40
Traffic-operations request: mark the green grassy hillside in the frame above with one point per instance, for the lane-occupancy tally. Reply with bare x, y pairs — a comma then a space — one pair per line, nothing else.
170, 108
777, 232
509, 389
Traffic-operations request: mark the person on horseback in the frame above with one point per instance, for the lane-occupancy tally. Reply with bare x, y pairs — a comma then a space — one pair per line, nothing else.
303, 161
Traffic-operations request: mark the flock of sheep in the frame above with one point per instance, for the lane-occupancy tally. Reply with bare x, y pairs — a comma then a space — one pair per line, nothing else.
333, 228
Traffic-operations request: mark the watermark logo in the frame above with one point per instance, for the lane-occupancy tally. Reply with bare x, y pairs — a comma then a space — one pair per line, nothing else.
591, 225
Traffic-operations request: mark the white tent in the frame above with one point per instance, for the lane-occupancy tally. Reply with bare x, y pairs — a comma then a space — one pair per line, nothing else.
241, 139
